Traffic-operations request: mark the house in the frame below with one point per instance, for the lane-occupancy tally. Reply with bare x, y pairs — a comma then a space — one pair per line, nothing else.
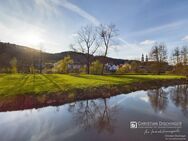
111, 67
75, 66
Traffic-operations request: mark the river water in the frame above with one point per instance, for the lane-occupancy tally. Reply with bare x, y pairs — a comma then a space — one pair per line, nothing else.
137, 116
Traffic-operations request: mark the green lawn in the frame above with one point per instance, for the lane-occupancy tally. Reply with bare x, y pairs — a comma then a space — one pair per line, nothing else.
14, 84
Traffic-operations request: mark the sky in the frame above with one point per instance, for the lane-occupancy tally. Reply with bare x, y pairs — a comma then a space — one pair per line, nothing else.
53, 24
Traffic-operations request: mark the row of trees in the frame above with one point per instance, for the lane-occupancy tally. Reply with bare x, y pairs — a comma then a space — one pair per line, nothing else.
179, 58
89, 39
180, 55
159, 54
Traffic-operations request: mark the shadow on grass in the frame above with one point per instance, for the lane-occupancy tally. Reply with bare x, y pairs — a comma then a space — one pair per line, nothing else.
52, 81
131, 77
107, 77
17, 87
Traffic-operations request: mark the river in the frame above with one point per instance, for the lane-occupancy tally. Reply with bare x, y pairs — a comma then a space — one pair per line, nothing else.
156, 115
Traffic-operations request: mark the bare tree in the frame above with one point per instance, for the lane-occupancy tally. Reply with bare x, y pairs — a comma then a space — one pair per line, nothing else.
159, 55
86, 42
159, 52
176, 55
106, 33
162, 52
184, 55
154, 54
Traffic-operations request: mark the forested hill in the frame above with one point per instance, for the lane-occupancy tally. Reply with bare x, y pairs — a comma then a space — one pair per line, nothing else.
27, 56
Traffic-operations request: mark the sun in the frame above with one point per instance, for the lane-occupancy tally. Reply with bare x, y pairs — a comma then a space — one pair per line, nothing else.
32, 38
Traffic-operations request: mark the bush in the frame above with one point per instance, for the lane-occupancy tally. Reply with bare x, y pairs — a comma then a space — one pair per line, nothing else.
180, 69
124, 69
62, 65
13, 63
96, 67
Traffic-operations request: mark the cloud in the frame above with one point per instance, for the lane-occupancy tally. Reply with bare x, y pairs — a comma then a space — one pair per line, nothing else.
147, 42
122, 41
51, 5
185, 38
79, 11
128, 50
131, 51
166, 27
46, 7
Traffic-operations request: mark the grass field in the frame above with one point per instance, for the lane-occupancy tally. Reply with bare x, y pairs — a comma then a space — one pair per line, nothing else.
15, 84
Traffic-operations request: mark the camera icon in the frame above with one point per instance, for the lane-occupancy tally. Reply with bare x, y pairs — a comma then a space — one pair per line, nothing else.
133, 124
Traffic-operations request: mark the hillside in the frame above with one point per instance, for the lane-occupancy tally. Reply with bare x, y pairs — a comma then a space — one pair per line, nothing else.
27, 56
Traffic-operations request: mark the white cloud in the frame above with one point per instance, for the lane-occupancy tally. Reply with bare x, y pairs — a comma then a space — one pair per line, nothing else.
133, 51
185, 38
166, 27
147, 42
127, 50
79, 11
46, 7
122, 41
52, 4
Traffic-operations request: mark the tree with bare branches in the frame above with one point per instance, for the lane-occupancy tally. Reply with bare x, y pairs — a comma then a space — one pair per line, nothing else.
159, 52
106, 33
177, 55
86, 42
159, 57
184, 55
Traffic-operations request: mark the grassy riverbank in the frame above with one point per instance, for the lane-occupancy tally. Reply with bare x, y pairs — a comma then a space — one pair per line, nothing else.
16, 84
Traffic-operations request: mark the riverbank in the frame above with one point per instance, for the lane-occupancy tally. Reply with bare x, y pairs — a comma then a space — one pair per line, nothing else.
88, 87
37, 84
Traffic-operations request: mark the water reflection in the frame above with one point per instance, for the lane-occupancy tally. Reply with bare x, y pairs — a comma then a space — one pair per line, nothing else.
100, 119
179, 96
94, 114
106, 118
158, 99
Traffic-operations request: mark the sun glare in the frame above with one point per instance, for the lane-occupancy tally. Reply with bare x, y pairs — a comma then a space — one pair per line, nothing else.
32, 38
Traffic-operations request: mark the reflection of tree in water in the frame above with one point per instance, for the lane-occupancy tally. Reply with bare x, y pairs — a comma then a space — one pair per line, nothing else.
105, 119
179, 96
84, 113
92, 113
158, 99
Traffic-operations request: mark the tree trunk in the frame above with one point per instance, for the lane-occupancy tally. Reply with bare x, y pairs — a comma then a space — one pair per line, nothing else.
104, 61
88, 63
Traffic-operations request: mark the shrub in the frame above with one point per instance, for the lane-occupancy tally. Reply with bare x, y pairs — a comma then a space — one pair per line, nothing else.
13, 64
96, 67
62, 65
124, 69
